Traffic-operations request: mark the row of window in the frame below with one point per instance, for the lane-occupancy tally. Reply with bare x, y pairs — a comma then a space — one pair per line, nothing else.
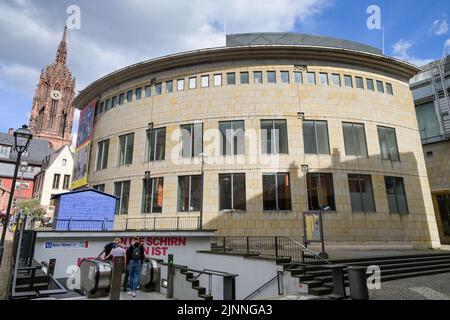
274, 140
56, 180
276, 193
298, 77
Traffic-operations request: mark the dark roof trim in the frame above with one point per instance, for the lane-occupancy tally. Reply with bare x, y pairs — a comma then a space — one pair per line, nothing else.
397, 68
83, 190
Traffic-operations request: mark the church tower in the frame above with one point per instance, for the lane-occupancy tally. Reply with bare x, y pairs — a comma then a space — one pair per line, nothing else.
52, 111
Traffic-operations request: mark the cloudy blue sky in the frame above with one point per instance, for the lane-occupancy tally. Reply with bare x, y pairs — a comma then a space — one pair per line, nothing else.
116, 33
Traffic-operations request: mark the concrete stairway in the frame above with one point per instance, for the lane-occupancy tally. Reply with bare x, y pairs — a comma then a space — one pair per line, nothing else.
196, 286
319, 279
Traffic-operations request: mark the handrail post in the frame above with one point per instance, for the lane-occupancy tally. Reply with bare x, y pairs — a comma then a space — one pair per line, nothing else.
224, 239
178, 223
126, 224
68, 226
248, 245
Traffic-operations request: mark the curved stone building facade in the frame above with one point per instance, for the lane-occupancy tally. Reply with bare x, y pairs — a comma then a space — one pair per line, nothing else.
280, 128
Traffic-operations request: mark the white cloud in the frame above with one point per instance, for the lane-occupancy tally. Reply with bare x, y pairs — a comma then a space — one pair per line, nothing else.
440, 27
401, 50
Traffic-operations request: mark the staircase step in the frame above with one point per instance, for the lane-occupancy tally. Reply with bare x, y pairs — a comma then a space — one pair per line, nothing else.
390, 258
195, 282
36, 287
201, 290
313, 283
320, 291
297, 272
302, 278
206, 296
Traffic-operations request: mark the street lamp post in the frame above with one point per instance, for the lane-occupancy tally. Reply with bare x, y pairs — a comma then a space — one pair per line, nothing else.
22, 138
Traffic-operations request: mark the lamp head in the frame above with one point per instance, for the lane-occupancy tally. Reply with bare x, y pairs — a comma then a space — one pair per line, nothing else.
22, 138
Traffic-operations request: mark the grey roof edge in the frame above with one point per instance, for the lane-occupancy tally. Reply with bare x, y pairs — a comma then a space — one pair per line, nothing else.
83, 190
88, 93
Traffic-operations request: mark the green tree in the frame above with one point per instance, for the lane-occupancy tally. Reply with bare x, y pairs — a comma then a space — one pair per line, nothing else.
32, 208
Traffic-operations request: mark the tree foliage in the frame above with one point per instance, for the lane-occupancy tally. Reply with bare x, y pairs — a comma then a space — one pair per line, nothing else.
32, 208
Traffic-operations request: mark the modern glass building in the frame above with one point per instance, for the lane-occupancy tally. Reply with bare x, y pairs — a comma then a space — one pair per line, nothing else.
277, 125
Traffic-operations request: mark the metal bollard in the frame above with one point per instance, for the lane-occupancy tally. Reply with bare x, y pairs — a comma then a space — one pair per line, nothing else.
170, 276
116, 277
229, 288
357, 278
337, 272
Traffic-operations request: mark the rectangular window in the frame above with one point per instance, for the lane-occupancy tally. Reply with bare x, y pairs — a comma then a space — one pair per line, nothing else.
99, 187
232, 140
257, 76
169, 86
205, 81
359, 82
231, 78
66, 182
315, 137
192, 140
56, 178
274, 138
311, 77
126, 144
271, 77
361, 193
130, 96
388, 143
320, 191
370, 85
232, 192
389, 89
354, 139
138, 93
276, 192
380, 87
158, 89
107, 105
102, 155
122, 191
121, 98
148, 91
100, 109
113, 102
428, 121
324, 79
189, 193
395, 190
192, 83
298, 77
218, 80
244, 78
5, 151
152, 195
284, 76
180, 84
156, 144
336, 79
348, 81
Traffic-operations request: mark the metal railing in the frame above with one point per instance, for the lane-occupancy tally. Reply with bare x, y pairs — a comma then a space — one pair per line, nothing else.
271, 247
125, 224
278, 277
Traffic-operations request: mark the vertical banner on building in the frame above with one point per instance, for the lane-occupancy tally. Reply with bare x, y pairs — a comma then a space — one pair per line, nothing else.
84, 138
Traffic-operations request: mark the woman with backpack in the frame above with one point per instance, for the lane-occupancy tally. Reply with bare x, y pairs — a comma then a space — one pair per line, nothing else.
136, 256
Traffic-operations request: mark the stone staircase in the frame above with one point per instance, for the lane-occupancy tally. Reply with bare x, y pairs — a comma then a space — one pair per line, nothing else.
195, 283
319, 281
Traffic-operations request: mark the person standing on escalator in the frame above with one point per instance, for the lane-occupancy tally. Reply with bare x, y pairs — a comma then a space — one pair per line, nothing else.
136, 256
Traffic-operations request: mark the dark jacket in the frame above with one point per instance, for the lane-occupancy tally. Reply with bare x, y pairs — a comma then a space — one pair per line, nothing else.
131, 249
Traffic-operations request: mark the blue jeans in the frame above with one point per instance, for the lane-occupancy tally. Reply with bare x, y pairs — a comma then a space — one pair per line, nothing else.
135, 268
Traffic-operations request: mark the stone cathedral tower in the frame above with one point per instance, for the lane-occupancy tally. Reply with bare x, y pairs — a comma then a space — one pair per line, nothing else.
52, 112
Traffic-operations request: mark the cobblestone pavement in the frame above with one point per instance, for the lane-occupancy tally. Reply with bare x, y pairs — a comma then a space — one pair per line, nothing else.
433, 287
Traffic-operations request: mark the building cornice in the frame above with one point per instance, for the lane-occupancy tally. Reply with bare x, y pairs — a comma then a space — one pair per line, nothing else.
395, 68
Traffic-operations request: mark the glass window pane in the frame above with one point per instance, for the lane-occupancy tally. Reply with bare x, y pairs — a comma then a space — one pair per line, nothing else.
355, 193
238, 137
284, 192
148, 91
113, 102
169, 86
198, 139
146, 195
313, 194
125, 197
192, 83
196, 193
107, 104
239, 192
391, 138
324, 78
349, 139
218, 80
122, 149
311, 77
389, 88
257, 75
359, 82
129, 151
360, 134
370, 85
180, 84
266, 136
130, 96
298, 77
244, 78
367, 194
309, 137
380, 87
205, 81
281, 137
348, 81
231, 78
336, 80
428, 121
138, 93
105, 154
183, 194
158, 195
271, 77
186, 137
121, 98
225, 141
225, 191
285, 76
158, 89
160, 144
322, 137
269, 192
383, 143
151, 134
